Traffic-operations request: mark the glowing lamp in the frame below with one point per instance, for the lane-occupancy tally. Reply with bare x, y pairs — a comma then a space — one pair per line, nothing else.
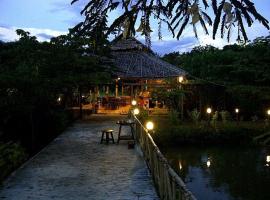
134, 102
208, 163
236, 110
59, 99
150, 126
268, 112
267, 159
136, 111
180, 79
209, 110
180, 165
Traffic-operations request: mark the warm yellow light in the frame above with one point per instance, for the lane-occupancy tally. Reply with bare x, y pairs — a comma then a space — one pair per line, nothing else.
268, 112
118, 78
268, 159
134, 102
180, 79
180, 165
208, 110
236, 110
208, 163
150, 126
59, 99
136, 111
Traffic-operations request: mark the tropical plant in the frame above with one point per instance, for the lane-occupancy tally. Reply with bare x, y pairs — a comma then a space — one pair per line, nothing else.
195, 116
214, 119
174, 13
225, 116
174, 117
241, 70
34, 75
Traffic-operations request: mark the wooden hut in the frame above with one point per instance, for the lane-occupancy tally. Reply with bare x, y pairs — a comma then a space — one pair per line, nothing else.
139, 70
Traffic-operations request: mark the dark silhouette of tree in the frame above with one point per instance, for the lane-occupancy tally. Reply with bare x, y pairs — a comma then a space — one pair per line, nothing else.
177, 15
243, 69
32, 77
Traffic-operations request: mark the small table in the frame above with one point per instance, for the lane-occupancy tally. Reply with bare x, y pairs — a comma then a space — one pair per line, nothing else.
129, 123
107, 132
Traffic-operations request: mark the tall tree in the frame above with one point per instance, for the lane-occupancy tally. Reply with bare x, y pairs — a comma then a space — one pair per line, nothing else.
34, 74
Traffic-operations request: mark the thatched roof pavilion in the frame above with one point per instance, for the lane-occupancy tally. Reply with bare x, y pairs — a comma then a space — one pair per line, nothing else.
134, 60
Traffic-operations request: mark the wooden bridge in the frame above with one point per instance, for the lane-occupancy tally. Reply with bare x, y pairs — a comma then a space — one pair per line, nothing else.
76, 166
168, 184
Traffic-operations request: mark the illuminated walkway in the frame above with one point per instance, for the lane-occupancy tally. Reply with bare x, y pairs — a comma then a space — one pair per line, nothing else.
76, 167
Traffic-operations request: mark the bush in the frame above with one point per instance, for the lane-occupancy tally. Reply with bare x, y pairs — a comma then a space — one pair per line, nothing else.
225, 116
12, 155
195, 116
173, 117
204, 134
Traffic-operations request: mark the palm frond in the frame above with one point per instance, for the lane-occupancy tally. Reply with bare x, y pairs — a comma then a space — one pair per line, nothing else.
222, 29
242, 28
217, 18
183, 27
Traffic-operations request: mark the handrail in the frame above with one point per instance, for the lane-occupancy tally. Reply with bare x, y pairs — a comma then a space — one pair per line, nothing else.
167, 182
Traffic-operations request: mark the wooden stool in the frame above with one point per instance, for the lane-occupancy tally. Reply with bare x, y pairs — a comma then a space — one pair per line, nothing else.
125, 137
107, 132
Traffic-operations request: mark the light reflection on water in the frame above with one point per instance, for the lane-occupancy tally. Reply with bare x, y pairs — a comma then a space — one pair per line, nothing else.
223, 173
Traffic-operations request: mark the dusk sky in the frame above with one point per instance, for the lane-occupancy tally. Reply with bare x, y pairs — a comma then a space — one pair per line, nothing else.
48, 18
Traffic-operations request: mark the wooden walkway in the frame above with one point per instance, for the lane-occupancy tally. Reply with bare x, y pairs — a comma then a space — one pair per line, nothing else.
76, 166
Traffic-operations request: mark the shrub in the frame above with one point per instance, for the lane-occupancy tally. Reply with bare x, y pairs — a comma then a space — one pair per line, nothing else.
173, 117
229, 133
225, 116
195, 116
12, 155
214, 119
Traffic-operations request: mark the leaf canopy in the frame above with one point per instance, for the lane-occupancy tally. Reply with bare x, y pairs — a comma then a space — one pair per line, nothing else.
177, 15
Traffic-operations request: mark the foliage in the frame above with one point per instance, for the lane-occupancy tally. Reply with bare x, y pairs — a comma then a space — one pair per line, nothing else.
195, 116
32, 77
225, 116
174, 117
143, 115
187, 133
214, 119
174, 13
12, 155
243, 69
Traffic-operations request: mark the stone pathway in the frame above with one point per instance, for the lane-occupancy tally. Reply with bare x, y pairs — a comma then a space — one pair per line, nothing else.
76, 167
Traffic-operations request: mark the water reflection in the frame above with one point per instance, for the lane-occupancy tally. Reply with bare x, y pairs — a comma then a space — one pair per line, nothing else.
237, 173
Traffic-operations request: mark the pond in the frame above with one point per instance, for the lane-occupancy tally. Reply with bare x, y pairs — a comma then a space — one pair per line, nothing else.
223, 173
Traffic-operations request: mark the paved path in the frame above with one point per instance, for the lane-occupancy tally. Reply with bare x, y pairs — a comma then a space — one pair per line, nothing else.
75, 166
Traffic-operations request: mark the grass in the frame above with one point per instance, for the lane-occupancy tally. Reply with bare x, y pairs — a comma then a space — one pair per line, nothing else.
168, 133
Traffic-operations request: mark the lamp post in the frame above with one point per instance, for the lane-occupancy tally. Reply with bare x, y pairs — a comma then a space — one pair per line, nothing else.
268, 116
208, 163
136, 111
180, 80
150, 126
209, 111
134, 102
237, 114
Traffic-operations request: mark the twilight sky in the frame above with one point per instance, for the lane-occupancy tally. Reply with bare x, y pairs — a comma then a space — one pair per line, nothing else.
47, 18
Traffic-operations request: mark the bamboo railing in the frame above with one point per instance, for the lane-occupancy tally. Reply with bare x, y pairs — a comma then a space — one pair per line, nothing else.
168, 184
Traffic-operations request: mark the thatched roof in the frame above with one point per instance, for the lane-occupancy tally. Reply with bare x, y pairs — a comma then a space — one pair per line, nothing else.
134, 60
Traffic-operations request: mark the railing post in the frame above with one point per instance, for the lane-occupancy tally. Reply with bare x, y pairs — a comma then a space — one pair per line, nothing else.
169, 185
